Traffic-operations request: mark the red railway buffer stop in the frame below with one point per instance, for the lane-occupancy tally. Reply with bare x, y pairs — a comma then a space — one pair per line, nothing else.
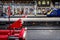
13, 34
17, 24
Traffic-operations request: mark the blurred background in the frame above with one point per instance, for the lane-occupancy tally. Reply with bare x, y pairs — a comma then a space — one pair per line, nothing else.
41, 17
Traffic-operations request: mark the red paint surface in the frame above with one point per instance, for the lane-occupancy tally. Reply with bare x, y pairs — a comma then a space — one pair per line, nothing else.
22, 33
16, 24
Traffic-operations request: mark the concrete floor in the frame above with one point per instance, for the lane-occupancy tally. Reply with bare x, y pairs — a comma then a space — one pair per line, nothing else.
43, 35
43, 27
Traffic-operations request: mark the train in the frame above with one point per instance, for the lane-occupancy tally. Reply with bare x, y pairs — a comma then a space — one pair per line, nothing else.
54, 13
29, 8
51, 13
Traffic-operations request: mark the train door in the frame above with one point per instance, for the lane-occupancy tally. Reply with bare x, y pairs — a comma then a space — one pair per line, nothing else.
31, 10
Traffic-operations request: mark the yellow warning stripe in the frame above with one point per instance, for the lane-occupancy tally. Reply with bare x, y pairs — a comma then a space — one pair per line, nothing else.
49, 12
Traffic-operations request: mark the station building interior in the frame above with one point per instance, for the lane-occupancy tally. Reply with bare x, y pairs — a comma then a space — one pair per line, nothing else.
30, 19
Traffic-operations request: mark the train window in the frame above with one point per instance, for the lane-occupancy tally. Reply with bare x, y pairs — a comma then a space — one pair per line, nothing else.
5, 10
14, 11
43, 11
31, 11
26, 11
39, 11
56, 3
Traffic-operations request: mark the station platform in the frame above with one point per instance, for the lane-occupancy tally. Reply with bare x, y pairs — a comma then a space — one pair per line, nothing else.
32, 19
43, 35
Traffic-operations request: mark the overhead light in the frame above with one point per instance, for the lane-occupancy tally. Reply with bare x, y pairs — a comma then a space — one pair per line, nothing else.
48, 2
39, 2
43, 2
